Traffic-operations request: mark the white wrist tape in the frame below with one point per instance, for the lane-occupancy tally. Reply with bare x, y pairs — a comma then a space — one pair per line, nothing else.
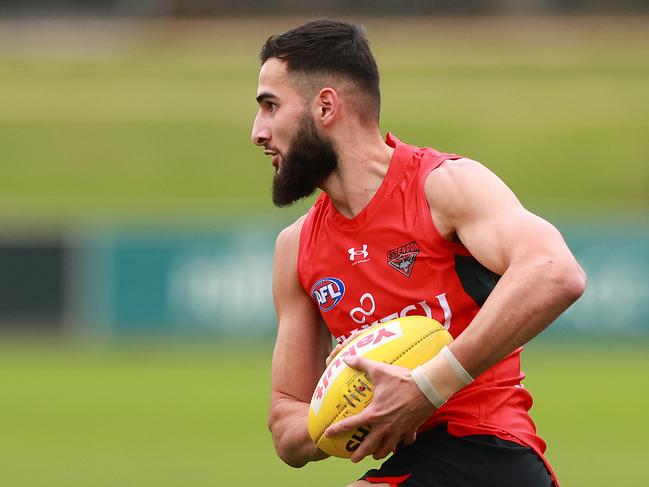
455, 364
446, 372
427, 388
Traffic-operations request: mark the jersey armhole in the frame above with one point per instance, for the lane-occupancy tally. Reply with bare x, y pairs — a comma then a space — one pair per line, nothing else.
426, 168
305, 243
299, 268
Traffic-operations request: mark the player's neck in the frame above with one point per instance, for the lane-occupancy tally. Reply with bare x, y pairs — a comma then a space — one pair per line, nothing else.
363, 161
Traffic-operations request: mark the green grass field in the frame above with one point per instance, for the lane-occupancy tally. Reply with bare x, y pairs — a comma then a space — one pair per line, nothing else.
104, 121
195, 415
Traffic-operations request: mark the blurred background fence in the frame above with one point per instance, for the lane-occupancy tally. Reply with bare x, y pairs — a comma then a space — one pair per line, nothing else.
216, 283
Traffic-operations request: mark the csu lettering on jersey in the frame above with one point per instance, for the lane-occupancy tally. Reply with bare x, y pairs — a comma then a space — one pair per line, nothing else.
328, 292
363, 313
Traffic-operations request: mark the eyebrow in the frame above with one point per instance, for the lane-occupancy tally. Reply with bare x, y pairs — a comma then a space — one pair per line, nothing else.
264, 96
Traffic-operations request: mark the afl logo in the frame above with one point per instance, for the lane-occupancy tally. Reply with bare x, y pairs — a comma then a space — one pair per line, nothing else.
328, 292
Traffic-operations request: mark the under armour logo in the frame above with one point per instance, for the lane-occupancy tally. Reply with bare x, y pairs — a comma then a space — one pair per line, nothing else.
353, 253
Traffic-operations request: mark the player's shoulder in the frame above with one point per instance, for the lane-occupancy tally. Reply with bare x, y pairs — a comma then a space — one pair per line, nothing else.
289, 238
445, 186
454, 172
460, 190
456, 179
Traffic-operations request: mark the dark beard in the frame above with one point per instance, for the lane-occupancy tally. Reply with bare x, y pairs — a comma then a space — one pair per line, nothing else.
309, 160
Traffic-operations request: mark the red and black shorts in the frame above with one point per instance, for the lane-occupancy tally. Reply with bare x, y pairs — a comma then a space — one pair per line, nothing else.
439, 459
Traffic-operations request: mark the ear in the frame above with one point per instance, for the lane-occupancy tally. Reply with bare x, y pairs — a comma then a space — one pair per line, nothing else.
327, 106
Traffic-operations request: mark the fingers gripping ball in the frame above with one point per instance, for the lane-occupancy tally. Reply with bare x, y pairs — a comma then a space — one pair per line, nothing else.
342, 391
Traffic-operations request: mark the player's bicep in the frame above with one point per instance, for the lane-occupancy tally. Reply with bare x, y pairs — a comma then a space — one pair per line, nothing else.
511, 236
303, 341
488, 218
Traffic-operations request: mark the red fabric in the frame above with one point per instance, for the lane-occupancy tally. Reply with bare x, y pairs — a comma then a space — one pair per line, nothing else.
393, 481
390, 261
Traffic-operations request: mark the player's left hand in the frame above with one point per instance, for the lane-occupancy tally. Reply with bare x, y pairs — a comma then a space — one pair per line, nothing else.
396, 411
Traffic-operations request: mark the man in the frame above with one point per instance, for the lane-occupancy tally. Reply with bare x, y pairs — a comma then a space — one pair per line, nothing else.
400, 230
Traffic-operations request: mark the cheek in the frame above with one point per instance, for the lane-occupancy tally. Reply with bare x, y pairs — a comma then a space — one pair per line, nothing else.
284, 131
284, 124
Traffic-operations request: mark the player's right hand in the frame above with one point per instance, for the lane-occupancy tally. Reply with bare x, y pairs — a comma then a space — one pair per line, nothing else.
397, 410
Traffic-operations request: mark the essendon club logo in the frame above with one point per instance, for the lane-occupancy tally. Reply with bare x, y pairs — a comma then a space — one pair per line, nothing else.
403, 258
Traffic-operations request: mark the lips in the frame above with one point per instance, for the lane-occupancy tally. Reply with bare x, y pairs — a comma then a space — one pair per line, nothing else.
275, 156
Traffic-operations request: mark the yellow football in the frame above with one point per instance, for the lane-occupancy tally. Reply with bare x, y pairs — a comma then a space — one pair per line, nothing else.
343, 391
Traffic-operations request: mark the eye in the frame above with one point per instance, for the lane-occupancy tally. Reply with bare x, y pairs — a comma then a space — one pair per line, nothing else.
272, 107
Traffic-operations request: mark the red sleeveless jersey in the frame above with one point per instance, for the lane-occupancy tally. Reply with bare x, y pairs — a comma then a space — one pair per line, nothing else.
390, 261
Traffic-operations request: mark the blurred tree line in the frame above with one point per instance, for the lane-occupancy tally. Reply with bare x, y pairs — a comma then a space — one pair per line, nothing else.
193, 8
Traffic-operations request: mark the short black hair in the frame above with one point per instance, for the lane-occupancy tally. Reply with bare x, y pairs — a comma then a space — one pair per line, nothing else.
328, 47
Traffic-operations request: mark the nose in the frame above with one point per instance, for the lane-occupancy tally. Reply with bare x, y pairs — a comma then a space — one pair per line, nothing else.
260, 133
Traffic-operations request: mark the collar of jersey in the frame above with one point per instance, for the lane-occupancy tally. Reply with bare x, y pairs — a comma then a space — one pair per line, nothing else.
397, 163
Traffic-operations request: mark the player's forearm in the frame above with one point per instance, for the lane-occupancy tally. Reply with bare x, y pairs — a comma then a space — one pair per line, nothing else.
288, 425
528, 297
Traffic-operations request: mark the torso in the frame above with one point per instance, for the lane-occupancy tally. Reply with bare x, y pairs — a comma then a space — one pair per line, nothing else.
390, 261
